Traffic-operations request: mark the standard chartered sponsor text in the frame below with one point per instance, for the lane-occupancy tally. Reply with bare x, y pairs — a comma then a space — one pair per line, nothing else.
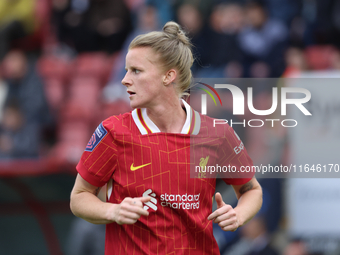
177, 201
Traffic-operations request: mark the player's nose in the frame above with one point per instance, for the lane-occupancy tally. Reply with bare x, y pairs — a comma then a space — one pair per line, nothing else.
126, 80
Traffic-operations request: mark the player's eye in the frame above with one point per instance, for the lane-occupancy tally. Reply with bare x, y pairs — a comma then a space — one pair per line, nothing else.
136, 71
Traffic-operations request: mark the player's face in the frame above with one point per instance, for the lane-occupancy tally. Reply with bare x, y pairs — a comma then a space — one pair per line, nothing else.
143, 78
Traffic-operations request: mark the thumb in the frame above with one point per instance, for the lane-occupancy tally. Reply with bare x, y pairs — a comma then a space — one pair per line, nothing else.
219, 200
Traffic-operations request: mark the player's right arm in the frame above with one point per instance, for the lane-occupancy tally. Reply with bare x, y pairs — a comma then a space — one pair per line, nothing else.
86, 205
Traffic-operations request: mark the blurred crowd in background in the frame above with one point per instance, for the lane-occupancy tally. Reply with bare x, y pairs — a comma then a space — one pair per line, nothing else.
62, 62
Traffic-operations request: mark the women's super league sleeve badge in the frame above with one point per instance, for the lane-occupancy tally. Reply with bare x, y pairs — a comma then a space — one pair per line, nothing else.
97, 136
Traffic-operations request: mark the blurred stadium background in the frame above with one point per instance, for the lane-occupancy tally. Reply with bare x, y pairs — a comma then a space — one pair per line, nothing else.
61, 66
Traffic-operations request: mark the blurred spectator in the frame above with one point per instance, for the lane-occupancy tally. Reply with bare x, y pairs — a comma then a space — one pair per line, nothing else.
190, 18
25, 87
18, 138
255, 231
164, 9
255, 236
326, 20
302, 25
147, 22
295, 61
111, 22
222, 47
86, 238
296, 247
297, 33
263, 39
319, 57
335, 14
283, 10
317, 23
3, 96
255, 240
69, 24
17, 19
134, 5
203, 6
233, 69
96, 25
335, 60
259, 69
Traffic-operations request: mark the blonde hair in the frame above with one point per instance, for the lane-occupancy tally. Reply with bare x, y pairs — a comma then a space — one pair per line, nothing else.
174, 49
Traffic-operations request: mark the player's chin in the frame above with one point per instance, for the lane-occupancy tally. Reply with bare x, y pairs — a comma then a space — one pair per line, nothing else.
134, 104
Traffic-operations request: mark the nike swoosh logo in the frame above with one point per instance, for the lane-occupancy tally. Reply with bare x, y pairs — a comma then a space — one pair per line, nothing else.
134, 168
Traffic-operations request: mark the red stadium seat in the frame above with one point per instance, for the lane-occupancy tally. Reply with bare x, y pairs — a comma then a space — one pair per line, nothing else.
115, 108
74, 132
85, 90
319, 56
50, 66
73, 137
55, 93
83, 100
93, 64
75, 111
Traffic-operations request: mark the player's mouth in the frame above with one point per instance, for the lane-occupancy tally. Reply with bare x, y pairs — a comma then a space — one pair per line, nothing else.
131, 93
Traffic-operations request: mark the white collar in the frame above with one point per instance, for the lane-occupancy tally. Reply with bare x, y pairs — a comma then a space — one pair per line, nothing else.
146, 126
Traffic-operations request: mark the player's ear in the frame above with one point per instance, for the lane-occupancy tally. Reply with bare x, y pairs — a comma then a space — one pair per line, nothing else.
169, 77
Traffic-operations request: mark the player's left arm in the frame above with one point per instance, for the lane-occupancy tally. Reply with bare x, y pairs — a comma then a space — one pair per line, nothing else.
249, 197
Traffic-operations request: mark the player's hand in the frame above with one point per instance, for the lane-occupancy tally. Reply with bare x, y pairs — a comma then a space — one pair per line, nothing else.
130, 210
225, 215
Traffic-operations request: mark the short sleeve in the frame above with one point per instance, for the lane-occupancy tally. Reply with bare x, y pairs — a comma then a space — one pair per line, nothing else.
235, 157
99, 160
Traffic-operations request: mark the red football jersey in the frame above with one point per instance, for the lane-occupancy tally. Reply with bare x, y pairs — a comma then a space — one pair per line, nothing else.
131, 154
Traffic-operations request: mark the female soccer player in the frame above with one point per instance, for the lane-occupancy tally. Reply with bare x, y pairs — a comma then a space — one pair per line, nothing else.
145, 157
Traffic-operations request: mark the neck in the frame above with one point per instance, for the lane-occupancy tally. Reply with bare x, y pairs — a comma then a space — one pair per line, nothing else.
168, 117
